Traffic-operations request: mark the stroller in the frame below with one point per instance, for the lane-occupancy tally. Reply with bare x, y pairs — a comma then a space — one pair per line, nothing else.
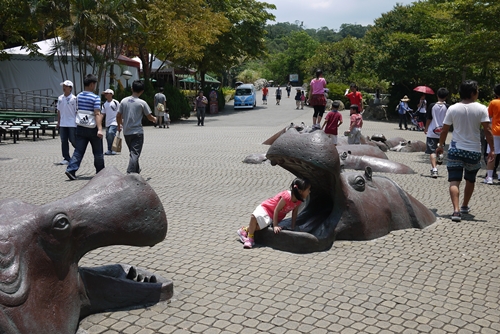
415, 120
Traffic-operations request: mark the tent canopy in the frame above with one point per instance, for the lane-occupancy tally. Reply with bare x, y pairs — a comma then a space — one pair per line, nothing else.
189, 78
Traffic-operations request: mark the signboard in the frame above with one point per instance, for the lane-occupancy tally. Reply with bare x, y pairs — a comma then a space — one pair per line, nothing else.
294, 77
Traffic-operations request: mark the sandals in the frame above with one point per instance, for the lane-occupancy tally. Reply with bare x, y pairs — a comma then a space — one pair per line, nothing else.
456, 216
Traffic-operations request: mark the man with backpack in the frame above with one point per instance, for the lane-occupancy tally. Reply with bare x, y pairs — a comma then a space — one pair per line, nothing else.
433, 126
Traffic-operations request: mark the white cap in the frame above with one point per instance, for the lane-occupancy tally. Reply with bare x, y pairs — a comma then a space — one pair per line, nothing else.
67, 83
109, 91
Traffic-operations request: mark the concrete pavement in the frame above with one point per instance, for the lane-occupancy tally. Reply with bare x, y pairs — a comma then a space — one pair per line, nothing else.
444, 279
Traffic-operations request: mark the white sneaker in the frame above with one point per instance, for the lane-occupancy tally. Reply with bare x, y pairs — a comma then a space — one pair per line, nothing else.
488, 180
434, 173
64, 162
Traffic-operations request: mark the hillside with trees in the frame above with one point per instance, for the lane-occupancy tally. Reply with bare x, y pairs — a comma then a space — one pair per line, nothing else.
434, 43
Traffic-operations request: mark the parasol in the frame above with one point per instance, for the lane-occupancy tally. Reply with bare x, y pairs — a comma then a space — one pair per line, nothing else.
423, 89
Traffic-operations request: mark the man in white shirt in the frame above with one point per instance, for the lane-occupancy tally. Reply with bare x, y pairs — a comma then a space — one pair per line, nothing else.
109, 110
464, 152
66, 112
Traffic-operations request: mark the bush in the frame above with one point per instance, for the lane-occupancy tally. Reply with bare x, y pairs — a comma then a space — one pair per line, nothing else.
177, 103
337, 91
228, 93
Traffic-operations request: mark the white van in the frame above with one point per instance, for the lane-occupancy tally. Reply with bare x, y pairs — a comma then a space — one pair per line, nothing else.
245, 96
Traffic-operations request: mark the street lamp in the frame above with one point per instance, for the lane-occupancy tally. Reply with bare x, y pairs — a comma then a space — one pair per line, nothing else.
127, 75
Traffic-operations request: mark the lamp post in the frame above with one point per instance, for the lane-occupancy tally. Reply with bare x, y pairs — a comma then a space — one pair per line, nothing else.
127, 75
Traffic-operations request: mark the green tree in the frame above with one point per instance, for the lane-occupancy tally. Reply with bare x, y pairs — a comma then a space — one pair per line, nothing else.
243, 41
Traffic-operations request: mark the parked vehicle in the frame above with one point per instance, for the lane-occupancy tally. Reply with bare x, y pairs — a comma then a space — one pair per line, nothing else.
245, 96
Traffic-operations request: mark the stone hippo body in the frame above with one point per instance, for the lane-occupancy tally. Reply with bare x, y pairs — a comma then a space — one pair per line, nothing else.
368, 150
349, 205
357, 162
410, 146
42, 289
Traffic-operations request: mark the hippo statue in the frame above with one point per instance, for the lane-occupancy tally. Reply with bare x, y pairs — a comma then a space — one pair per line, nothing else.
342, 205
368, 150
357, 162
42, 289
410, 146
255, 158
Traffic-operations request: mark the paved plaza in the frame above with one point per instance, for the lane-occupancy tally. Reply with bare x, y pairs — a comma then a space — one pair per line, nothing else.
443, 279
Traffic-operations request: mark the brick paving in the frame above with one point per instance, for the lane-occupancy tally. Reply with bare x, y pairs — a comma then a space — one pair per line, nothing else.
443, 279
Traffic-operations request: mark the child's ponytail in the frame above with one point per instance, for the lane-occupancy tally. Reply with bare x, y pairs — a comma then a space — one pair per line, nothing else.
299, 184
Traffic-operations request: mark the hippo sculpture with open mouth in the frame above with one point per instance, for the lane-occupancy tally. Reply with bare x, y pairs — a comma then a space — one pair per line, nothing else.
42, 289
342, 205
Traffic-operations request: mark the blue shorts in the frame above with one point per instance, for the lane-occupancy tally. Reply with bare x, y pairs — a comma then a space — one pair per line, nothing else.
463, 164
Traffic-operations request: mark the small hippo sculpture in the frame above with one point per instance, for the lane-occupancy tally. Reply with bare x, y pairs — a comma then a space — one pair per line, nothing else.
342, 205
42, 289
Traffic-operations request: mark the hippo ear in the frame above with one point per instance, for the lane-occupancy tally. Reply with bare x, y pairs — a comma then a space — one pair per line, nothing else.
368, 173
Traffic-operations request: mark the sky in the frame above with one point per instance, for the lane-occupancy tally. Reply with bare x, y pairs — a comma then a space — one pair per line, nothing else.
331, 13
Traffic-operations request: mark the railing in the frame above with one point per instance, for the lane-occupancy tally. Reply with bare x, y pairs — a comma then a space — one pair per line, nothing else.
39, 100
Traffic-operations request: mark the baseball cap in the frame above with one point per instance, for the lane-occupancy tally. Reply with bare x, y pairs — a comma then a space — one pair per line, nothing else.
67, 83
109, 91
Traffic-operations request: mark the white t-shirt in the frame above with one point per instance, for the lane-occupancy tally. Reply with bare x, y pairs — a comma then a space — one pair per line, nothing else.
110, 109
67, 110
438, 111
466, 120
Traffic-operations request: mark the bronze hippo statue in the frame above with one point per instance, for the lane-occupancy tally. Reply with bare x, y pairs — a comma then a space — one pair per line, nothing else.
360, 162
368, 150
342, 205
410, 146
42, 289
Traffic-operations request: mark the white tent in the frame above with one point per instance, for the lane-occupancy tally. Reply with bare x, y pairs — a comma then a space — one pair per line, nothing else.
32, 73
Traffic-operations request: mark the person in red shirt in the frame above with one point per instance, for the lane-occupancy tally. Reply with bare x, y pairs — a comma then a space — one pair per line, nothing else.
355, 97
332, 122
264, 94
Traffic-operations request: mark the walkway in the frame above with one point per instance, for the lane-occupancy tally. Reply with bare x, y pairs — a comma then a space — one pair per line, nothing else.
444, 279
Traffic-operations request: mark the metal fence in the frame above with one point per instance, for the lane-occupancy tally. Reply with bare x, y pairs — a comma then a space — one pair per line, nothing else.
39, 100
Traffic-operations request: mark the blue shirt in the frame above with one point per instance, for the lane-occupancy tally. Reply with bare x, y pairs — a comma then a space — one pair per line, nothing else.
88, 101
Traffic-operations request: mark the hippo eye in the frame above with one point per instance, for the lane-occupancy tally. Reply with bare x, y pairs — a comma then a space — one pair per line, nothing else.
60, 222
359, 183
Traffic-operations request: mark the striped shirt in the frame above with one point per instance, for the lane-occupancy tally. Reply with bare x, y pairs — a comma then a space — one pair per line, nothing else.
88, 101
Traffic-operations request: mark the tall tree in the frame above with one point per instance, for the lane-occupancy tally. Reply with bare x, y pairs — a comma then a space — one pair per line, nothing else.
243, 41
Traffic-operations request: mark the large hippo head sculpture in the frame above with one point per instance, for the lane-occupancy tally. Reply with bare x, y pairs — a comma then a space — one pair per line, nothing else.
342, 205
42, 289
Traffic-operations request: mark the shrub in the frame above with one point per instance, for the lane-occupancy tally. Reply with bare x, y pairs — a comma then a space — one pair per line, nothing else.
228, 93
177, 103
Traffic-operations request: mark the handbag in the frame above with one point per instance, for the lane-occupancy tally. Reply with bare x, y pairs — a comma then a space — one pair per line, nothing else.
117, 143
160, 107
